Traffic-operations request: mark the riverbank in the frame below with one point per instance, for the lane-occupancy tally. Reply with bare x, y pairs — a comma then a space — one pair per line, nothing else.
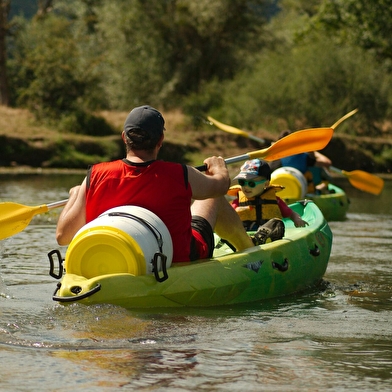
29, 147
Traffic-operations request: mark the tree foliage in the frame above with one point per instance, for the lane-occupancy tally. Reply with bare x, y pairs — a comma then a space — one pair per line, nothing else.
165, 50
132, 51
48, 58
362, 22
308, 86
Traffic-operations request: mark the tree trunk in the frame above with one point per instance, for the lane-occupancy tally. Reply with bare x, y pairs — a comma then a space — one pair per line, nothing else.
4, 10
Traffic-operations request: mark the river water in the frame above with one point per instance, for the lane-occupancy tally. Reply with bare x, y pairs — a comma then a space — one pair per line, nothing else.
337, 337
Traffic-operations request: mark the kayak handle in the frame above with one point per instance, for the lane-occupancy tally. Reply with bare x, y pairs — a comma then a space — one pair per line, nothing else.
51, 262
155, 265
315, 251
281, 267
76, 297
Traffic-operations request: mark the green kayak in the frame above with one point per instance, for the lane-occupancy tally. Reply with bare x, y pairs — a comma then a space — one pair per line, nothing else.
280, 268
334, 205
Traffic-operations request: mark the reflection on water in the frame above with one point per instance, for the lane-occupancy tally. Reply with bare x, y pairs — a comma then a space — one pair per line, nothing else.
336, 338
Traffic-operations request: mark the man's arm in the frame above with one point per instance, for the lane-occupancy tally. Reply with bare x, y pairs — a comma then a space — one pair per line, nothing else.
73, 216
322, 160
214, 183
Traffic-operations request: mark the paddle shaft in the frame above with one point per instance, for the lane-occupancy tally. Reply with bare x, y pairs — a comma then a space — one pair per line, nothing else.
255, 138
336, 170
57, 204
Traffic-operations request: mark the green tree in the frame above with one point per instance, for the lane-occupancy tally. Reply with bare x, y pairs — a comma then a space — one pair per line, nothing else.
362, 22
48, 60
51, 74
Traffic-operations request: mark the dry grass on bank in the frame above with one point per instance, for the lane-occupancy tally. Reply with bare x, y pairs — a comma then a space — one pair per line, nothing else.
20, 123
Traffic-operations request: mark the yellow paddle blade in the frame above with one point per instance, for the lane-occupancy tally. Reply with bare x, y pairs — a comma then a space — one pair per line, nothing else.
235, 131
15, 217
295, 143
227, 128
345, 117
365, 181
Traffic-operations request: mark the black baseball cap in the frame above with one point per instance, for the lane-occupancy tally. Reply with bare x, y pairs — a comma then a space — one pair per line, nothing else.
146, 118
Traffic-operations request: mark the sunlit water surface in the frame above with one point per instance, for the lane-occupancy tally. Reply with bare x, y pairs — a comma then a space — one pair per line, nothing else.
337, 337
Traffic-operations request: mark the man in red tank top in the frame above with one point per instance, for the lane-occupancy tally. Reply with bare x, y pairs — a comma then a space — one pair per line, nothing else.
190, 203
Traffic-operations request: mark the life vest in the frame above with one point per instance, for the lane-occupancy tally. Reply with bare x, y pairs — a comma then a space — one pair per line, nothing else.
161, 187
258, 210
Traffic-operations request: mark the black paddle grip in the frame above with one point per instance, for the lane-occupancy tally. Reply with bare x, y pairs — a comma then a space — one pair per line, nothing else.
201, 167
